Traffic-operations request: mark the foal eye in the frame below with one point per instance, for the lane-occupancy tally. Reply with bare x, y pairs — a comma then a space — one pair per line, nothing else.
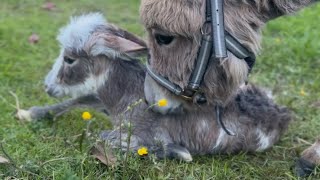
163, 40
68, 60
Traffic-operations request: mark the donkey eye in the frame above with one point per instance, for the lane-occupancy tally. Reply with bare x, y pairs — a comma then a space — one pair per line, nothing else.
68, 60
163, 40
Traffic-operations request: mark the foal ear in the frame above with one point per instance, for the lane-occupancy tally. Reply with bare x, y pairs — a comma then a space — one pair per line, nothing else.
117, 43
131, 48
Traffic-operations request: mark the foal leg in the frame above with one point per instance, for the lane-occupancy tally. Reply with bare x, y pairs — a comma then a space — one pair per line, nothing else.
172, 151
310, 158
38, 112
161, 151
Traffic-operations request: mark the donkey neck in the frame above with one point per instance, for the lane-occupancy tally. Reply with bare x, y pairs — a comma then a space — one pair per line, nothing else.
123, 86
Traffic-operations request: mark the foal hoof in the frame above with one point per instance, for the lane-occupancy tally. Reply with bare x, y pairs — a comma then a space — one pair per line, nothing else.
304, 168
23, 115
173, 151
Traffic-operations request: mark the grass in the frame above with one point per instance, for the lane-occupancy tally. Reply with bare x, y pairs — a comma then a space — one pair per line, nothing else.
288, 64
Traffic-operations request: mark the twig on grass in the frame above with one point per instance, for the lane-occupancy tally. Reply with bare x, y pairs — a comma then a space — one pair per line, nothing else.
17, 100
22, 115
53, 160
13, 164
128, 144
7, 155
300, 140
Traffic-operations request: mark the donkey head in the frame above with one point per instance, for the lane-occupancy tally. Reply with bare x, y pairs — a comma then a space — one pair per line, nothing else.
174, 35
89, 47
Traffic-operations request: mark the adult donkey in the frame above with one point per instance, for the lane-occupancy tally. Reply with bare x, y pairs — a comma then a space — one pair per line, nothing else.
184, 68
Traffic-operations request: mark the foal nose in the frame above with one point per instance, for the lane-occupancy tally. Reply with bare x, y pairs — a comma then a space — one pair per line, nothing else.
49, 91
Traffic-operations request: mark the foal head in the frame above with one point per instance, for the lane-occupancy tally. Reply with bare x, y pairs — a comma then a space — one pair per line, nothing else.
90, 47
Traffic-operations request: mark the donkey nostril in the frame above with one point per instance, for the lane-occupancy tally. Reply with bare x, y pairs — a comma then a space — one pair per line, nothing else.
200, 99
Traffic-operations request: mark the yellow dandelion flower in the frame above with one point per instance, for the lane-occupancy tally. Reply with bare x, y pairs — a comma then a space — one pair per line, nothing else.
278, 40
86, 116
302, 92
162, 102
143, 151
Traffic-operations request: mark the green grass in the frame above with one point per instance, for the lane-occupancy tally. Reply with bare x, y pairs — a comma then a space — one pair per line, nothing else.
289, 62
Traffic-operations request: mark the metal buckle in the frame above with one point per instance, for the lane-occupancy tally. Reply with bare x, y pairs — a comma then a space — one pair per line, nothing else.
185, 96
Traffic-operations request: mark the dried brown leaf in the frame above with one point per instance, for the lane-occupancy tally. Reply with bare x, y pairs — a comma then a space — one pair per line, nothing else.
34, 38
49, 6
3, 160
104, 155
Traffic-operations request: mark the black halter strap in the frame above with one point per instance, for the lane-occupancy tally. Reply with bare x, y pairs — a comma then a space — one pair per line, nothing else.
214, 45
217, 27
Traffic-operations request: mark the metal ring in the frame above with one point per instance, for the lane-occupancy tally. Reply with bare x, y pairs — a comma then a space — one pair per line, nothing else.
187, 97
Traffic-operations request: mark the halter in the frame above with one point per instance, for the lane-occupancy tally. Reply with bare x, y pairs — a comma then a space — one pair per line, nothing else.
214, 45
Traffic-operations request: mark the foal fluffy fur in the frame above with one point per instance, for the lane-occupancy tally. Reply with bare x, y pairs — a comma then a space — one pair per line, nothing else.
77, 32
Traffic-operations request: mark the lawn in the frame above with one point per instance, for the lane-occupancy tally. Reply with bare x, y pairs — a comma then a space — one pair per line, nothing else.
289, 65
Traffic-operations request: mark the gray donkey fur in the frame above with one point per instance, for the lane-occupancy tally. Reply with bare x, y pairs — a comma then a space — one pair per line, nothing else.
98, 59
182, 20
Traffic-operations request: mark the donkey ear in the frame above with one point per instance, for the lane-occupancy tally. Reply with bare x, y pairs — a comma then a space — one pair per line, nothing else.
117, 44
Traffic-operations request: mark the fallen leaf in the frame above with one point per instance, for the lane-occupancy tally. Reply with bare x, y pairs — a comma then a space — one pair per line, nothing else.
3, 160
49, 6
34, 38
105, 156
